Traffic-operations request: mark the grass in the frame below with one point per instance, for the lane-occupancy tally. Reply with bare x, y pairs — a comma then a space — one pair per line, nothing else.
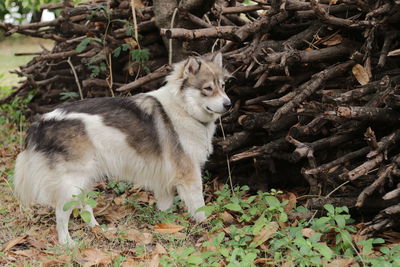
18, 44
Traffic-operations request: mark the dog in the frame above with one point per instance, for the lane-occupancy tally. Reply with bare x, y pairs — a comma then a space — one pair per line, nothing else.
159, 140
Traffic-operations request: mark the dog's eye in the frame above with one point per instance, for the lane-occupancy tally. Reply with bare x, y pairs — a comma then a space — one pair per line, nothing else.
208, 89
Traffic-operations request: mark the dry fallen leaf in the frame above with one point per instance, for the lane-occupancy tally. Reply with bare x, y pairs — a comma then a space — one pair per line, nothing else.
263, 260
26, 252
333, 40
60, 261
287, 264
129, 262
97, 230
120, 200
155, 261
132, 42
114, 215
159, 249
38, 244
291, 197
110, 234
95, 257
13, 242
138, 236
138, 4
340, 263
167, 228
265, 233
145, 197
361, 74
227, 217
307, 232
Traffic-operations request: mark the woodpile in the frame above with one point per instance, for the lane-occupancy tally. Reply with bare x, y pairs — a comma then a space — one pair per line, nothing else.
316, 87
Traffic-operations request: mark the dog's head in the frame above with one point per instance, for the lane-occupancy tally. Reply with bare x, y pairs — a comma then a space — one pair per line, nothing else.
203, 87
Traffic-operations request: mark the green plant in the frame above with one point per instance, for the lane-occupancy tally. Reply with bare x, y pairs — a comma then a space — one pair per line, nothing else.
13, 112
65, 96
261, 230
118, 261
123, 47
97, 65
85, 42
182, 257
149, 214
249, 208
81, 200
119, 187
140, 55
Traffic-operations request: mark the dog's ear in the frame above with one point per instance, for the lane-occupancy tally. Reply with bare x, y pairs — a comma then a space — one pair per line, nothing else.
218, 59
192, 66
215, 58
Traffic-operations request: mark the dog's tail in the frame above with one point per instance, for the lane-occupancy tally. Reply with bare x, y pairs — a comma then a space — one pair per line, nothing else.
31, 172
22, 179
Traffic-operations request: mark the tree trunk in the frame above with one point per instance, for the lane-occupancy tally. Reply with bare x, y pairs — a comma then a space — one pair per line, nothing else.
164, 10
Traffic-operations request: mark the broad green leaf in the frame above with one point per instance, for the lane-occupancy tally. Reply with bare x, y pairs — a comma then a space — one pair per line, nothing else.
85, 215
188, 251
318, 223
91, 202
272, 201
283, 217
233, 206
324, 250
315, 237
68, 205
330, 208
341, 222
250, 199
208, 210
259, 224
224, 252
194, 259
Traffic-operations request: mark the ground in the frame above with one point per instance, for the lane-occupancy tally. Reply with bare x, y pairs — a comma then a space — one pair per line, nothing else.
10, 62
242, 229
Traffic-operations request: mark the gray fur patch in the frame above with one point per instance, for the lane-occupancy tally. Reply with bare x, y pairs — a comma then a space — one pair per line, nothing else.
57, 137
124, 115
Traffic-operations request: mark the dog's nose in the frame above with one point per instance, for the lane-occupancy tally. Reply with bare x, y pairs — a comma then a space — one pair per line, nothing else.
227, 104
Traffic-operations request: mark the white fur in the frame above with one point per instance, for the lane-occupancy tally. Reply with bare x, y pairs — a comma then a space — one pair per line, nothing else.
54, 183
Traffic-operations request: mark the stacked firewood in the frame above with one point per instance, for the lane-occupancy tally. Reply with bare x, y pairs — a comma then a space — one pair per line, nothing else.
315, 90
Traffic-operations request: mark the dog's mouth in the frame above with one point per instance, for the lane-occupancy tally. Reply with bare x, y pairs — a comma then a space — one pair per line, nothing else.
213, 111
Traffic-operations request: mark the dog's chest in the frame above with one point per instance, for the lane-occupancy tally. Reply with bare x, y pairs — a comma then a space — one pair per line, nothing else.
195, 138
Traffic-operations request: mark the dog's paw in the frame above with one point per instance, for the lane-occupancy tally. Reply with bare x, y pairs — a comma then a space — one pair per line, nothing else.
93, 223
164, 204
199, 216
68, 241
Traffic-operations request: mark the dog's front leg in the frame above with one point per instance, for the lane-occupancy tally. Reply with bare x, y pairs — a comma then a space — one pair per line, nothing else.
164, 200
190, 190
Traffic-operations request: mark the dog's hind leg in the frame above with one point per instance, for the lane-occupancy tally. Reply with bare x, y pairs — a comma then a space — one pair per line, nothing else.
92, 221
62, 219
71, 185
